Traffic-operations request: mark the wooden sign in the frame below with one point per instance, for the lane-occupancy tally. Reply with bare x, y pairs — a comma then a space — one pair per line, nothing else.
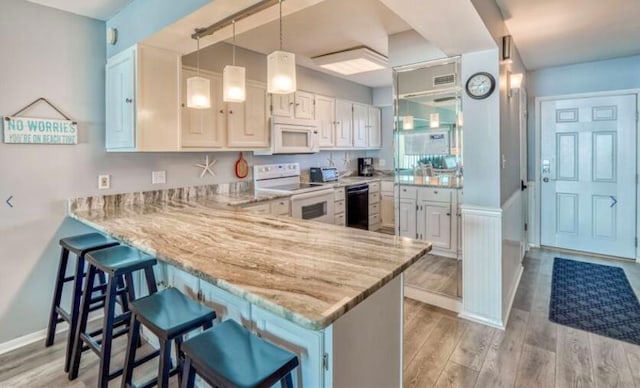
25, 130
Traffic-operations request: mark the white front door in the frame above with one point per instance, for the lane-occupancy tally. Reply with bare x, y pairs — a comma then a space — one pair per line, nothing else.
588, 174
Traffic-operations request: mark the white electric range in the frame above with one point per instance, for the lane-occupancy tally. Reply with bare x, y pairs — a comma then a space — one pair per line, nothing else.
309, 201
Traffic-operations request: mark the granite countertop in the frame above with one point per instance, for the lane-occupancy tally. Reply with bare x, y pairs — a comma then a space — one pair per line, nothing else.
433, 181
306, 272
245, 197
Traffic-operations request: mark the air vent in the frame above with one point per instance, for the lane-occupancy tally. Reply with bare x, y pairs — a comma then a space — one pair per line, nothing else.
447, 79
444, 99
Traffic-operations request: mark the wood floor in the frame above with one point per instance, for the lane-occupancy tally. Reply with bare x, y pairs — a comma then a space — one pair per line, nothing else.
440, 349
435, 274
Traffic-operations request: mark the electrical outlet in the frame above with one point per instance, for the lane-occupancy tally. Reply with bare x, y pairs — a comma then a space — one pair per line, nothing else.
104, 182
158, 177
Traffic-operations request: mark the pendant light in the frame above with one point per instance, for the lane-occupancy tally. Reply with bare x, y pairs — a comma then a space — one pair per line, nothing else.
233, 78
434, 120
198, 88
281, 68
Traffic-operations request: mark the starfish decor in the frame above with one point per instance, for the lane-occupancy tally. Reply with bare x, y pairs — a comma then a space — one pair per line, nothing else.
345, 160
332, 163
207, 167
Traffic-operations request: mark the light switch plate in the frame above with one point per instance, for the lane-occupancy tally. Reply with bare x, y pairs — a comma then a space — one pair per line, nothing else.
158, 177
104, 182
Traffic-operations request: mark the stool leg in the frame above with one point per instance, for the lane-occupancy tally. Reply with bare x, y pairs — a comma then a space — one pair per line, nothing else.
151, 280
165, 363
189, 375
287, 381
179, 358
75, 310
82, 323
130, 357
107, 332
57, 295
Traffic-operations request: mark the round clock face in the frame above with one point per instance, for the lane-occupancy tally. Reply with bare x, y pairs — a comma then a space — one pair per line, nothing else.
480, 85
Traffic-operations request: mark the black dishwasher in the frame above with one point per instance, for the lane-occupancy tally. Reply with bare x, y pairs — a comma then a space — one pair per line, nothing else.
358, 206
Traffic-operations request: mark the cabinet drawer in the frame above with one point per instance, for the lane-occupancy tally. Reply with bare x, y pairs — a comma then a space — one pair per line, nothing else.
262, 208
280, 207
339, 194
339, 219
374, 187
435, 194
374, 219
339, 207
374, 198
408, 192
374, 208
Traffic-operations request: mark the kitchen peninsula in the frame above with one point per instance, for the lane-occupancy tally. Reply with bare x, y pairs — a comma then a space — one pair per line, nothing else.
331, 294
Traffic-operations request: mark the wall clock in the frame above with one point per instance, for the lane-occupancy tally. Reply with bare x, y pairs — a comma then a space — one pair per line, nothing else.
480, 85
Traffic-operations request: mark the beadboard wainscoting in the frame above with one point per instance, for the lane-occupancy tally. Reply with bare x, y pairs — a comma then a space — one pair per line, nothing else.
513, 240
482, 265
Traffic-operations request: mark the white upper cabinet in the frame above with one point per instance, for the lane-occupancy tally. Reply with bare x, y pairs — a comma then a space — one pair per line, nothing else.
326, 118
143, 100
344, 124
374, 127
247, 122
282, 105
305, 105
360, 126
203, 128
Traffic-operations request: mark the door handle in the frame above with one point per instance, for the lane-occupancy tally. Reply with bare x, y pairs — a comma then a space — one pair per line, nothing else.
614, 201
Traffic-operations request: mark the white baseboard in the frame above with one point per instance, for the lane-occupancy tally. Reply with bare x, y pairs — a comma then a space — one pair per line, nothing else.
434, 299
512, 296
481, 320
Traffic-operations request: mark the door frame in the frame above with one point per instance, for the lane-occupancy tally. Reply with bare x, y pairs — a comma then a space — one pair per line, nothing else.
538, 149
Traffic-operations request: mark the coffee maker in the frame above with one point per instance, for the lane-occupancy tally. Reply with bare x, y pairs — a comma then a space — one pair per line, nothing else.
365, 166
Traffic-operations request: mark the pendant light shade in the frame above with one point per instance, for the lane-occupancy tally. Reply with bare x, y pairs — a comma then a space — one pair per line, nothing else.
281, 72
434, 120
233, 84
198, 93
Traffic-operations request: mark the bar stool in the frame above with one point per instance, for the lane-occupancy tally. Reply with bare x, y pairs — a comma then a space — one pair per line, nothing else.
168, 314
229, 355
79, 245
118, 263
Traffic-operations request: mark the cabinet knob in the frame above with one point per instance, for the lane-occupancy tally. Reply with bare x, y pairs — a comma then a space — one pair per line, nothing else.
435, 191
221, 110
298, 104
230, 112
128, 100
448, 214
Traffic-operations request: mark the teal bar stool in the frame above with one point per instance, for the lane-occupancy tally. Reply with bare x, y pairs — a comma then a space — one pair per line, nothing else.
79, 245
229, 355
168, 314
118, 263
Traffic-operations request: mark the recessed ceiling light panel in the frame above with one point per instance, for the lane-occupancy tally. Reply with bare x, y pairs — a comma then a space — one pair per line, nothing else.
353, 61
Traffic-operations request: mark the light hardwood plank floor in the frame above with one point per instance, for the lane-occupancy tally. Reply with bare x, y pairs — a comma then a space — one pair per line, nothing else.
440, 349
435, 274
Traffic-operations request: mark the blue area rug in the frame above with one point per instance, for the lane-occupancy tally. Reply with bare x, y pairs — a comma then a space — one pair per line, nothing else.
596, 298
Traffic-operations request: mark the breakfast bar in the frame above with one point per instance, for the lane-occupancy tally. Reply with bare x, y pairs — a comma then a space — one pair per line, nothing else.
330, 294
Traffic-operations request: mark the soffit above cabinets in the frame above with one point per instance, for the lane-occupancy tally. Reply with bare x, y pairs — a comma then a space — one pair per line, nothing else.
96, 9
552, 33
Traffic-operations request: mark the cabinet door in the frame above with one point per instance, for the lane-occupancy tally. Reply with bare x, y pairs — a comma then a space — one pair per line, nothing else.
120, 104
386, 209
305, 105
344, 124
203, 127
406, 218
307, 344
226, 305
374, 127
326, 117
247, 122
360, 130
435, 220
282, 105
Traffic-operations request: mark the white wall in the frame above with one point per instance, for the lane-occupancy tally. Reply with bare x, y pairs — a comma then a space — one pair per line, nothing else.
63, 60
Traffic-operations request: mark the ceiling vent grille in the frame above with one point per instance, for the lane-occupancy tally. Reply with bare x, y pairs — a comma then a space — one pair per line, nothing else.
443, 80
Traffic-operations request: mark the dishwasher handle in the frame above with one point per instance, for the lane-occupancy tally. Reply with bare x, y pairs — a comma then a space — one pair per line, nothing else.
357, 189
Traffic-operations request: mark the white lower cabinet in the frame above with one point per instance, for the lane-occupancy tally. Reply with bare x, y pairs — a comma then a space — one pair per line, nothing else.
226, 305
307, 344
434, 224
406, 217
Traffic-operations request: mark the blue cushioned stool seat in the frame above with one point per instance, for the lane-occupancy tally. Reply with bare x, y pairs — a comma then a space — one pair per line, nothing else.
84, 242
229, 355
117, 260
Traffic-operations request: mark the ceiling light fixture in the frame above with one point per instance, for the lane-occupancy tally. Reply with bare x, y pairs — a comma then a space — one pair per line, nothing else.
198, 88
281, 68
352, 61
233, 78
434, 120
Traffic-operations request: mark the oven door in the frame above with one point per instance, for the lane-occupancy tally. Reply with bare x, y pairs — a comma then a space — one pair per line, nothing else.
295, 139
314, 206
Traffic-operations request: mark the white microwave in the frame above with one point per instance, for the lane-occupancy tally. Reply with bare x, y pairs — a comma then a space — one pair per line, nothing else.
291, 136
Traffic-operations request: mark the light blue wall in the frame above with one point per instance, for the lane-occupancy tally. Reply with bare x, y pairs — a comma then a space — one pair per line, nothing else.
596, 76
142, 18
